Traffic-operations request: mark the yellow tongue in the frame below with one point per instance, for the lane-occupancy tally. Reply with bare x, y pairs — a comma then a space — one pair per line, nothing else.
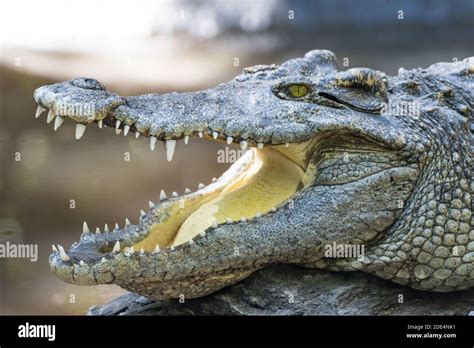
271, 179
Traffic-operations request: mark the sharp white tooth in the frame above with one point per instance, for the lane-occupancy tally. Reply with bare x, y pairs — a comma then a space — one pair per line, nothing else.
97, 230
214, 223
170, 145
62, 254
229, 140
258, 215
173, 248
214, 179
202, 234
287, 144
228, 220
190, 242
243, 219
152, 143
273, 209
215, 135
243, 144
51, 116
157, 249
85, 228
142, 251
116, 248
117, 129
201, 186
127, 221
162, 195
151, 205
126, 128
100, 123
142, 213
82, 263
131, 250
186, 191
103, 260
106, 228
200, 134
186, 139
260, 145
39, 111
116, 227
174, 194
137, 135
58, 121
80, 129
54, 248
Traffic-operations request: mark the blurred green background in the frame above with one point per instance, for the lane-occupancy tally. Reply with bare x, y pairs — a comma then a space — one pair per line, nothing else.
136, 47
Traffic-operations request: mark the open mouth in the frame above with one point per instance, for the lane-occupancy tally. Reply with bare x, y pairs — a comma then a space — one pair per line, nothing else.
264, 178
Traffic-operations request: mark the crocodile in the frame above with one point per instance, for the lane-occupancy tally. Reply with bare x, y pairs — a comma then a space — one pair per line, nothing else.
334, 161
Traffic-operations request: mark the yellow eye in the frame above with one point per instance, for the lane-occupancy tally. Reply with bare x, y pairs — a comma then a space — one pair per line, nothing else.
297, 91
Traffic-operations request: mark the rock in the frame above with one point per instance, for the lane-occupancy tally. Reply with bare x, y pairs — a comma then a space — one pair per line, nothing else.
291, 290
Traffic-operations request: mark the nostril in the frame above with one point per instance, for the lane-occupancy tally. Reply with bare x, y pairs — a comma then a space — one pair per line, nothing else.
87, 83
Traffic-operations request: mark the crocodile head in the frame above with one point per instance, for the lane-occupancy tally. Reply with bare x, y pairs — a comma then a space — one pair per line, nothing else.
328, 164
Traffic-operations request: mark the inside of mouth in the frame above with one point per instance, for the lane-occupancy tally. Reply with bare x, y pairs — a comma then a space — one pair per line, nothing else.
260, 181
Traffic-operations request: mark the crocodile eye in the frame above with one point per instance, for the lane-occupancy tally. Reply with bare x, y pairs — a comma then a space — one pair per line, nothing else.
297, 91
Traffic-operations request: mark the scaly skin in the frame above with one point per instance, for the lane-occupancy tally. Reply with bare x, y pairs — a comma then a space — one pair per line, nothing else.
401, 185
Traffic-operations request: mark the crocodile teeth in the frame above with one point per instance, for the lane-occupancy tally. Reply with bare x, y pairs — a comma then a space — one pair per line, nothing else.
100, 123
201, 186
258, 215
173, 248
229, 140
214, 223
243, 219
152, 143
62, 254
174, 194
39, 111
151, 205
142, 251
82, 263
260, 145
142, 213
127, 221
273, 209
126, 128
243, 144
157, 249
186, 139
80, 129
117, 129
51, 116
170, 145
214, 179
58, 121
228, 220
190, 242
103, 260
202, 234
215, 135
137, 135
54, 248
162, 195
186, 191
106, 228
97, 230
85, 228
200, 134
116, 248
116, 227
